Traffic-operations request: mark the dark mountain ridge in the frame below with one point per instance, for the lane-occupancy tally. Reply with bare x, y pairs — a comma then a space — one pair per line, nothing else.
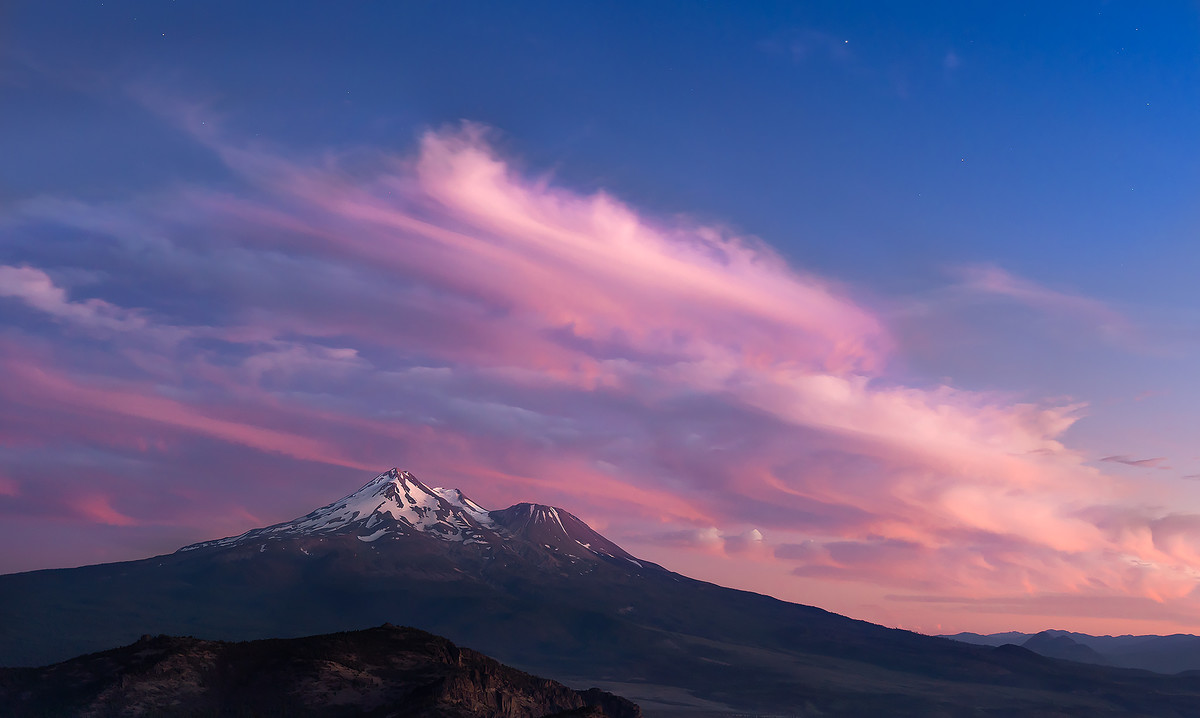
1057, 645
1171, 654
536, 588
387, 672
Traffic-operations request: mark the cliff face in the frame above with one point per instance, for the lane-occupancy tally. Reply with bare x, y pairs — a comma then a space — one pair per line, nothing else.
385, 672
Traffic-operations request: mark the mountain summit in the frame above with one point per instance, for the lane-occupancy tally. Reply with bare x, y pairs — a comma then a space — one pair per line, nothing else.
397, 506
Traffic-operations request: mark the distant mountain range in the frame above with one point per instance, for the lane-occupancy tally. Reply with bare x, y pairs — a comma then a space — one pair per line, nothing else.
535, 587
1162, 654
386, 672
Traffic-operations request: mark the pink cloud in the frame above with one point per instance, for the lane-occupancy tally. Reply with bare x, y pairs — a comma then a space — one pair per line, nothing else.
41, 384
98, 508
573, 480
711, 540
555, 260
604, 269
35, 288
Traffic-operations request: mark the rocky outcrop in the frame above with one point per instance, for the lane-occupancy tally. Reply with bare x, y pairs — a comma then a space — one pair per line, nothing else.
387, 672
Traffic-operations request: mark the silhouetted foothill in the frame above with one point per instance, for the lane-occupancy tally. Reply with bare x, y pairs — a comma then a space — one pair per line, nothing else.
385, 672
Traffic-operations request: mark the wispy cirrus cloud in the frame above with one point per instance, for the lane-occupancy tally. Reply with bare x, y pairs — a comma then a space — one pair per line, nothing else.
32, 384
1158, 462
990, 280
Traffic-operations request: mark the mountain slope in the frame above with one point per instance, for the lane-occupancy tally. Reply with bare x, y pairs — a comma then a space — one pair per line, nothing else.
536, 588
386, 672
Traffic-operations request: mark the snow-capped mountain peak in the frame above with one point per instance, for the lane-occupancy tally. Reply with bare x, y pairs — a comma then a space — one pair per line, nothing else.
394, 502
558, 530
396, 505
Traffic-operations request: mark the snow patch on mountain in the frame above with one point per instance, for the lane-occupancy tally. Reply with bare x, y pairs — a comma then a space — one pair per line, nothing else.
394, 502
